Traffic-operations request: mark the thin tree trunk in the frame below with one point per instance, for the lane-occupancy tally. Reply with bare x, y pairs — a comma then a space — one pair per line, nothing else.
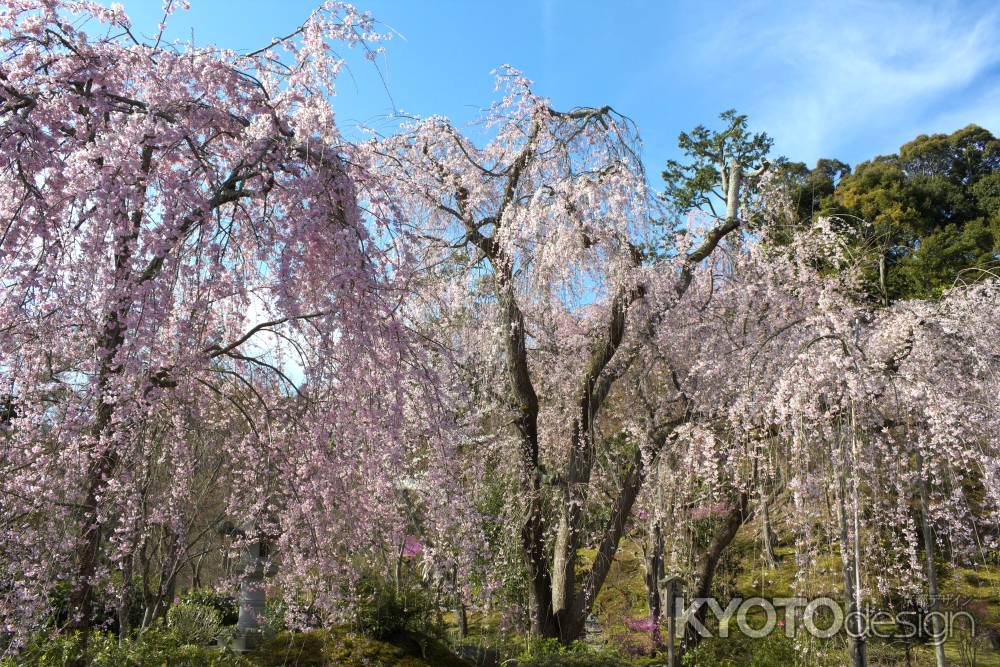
654, 572
709, 563
932, 589
671, 625
767, 535
539, 583
463, 620
564, 554
882, 279
104, 456
196, 572
125, 605
100, 469
856, 644
460, 612
525, 405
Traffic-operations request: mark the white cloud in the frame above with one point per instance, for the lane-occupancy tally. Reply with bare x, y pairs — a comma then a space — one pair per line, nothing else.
831, 74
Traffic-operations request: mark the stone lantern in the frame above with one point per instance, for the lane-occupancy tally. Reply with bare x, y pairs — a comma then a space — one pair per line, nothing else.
253, 570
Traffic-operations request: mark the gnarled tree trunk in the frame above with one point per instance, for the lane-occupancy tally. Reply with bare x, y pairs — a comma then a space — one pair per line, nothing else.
708, 563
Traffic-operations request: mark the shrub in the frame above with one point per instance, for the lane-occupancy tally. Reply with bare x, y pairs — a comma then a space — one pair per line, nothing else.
383, 612
45, 650
194, 624
274, 620
157, 646
224, 603
550, 653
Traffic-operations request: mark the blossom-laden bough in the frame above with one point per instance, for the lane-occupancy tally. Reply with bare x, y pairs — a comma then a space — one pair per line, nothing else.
543, 290
199, 313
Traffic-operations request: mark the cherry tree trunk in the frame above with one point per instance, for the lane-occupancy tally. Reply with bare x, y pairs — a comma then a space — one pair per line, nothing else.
564, 560
654, 572
81, 601
539, 578
767, 534
855, 644
709, 563
932, 589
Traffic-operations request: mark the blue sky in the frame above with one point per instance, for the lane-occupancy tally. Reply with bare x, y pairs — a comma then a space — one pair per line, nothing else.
826, 79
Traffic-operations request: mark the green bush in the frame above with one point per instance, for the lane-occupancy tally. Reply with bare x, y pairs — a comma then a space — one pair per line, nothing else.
160, 646
45, 650
550, 653
273, 622
227, 605
385, 612
194, 624
157, 646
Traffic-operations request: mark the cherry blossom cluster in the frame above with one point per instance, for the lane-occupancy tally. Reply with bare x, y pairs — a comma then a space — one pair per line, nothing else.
199, 322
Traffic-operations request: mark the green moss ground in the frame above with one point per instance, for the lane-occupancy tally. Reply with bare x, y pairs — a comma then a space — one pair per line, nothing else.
624, 597
743, 574
343, 648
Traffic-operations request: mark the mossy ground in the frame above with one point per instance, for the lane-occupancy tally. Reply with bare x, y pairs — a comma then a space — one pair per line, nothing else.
744, 574
342, 648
